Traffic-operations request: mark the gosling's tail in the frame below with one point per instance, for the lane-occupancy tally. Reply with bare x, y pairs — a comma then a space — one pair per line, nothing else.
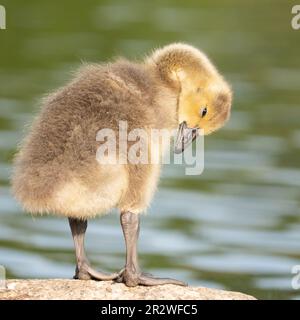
33, 186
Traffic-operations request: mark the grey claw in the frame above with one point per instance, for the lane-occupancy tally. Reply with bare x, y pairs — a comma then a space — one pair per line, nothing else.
153, 281
98, 275
132, 279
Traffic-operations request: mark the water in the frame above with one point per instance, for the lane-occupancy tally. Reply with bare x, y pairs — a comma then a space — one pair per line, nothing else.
237, 226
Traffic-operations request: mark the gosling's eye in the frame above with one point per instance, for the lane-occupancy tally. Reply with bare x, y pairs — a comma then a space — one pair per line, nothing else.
203, 111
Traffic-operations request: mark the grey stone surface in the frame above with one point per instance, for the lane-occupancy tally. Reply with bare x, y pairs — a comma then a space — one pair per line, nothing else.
65, 289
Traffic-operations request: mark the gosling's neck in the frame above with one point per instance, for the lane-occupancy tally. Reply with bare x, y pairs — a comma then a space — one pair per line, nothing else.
166, 100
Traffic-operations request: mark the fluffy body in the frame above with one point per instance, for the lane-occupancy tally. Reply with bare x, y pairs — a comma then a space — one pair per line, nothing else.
56, 170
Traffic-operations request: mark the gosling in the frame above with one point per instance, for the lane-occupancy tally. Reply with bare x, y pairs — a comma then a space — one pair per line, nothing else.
56, 170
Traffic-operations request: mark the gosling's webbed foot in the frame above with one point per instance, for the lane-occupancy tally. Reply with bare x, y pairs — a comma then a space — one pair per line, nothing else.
86, 272
133, 279
130, 275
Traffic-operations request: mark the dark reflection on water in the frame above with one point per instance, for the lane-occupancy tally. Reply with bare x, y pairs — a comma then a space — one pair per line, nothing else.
237, 226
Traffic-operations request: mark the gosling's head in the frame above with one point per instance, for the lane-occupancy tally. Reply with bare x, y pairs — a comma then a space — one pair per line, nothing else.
204, 97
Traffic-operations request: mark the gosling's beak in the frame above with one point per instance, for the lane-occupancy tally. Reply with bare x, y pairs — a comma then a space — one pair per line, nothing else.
185, 137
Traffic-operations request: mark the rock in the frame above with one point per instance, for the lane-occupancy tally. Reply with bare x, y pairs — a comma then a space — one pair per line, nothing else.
64, 289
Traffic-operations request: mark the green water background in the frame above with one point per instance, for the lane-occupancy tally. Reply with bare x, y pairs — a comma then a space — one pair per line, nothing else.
237, 226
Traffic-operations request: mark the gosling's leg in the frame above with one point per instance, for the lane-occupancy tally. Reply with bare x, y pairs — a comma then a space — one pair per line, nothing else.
83, 268
131, 274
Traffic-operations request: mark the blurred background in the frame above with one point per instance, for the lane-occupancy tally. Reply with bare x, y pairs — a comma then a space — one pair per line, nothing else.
235, 227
